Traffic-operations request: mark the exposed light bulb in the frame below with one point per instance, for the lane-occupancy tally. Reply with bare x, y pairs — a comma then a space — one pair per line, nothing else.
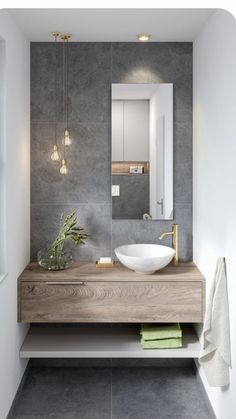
63, 169
67, 139
55, 155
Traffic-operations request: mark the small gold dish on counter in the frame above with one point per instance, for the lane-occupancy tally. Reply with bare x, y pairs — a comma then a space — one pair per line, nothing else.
105, 264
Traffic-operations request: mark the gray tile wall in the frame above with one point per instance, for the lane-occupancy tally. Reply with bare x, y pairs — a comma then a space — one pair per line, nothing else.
133, 200
87, 187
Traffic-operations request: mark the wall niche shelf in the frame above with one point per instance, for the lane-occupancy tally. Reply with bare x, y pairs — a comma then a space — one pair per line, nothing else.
123, 167
100, 342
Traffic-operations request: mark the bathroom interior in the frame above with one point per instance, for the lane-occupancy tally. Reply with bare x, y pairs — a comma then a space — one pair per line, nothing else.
117, 207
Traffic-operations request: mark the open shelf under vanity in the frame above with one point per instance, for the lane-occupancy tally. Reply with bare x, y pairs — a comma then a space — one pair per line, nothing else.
100, 342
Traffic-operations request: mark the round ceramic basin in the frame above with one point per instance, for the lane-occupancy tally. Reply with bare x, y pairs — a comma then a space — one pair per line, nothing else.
144, 258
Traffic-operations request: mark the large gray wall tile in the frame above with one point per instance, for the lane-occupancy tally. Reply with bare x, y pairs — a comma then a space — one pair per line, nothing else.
89, 82
182, 177
89, 176
163, 62
183, 137
46, 99
135, 231
95, 218
133, 200
182, 103
92, 69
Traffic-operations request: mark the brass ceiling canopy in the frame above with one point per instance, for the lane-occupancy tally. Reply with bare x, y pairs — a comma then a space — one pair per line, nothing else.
66, 36
56, 34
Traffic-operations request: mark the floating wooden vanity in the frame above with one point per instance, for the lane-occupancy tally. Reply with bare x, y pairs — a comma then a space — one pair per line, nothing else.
86, 294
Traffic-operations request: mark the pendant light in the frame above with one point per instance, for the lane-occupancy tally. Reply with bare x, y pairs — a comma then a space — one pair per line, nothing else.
55, 154
63, 168
66, 138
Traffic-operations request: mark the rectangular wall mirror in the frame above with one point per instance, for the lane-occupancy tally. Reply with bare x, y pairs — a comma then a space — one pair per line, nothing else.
142, 151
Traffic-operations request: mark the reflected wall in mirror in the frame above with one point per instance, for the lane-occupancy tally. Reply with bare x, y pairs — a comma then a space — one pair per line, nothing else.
142, 151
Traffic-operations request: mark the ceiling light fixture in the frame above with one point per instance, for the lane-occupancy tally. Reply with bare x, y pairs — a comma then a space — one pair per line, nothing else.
143, 36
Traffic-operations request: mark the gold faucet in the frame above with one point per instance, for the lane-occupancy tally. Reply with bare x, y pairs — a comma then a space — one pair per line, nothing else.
175, 241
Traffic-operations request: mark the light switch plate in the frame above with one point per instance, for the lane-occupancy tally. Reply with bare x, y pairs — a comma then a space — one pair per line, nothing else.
115, 190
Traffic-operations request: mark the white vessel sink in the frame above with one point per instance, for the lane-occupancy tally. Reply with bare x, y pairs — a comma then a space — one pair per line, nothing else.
144, 258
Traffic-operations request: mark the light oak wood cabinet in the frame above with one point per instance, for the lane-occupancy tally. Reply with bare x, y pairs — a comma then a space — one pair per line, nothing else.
86, 294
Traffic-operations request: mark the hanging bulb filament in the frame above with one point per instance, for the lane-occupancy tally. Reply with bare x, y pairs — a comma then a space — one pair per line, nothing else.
55, 155
67, 139
63, 169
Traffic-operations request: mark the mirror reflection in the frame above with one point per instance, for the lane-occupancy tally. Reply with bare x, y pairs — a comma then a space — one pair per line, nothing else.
142, 151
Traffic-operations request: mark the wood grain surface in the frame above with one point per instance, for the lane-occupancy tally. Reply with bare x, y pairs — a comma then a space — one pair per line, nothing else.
85, 294
88, 271
122, 168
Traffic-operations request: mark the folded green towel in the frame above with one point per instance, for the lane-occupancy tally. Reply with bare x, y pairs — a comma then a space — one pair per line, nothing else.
162, 331
162, 343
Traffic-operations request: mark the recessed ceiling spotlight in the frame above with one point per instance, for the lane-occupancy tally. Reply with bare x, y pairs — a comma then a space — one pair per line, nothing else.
143, 36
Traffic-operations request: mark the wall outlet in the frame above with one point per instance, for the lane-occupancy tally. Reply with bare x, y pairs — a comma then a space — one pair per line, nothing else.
115, 190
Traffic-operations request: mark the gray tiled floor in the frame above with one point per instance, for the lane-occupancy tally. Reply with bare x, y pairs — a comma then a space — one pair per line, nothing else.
111, 393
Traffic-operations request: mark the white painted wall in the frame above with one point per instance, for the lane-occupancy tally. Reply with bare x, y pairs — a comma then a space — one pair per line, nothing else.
214, 159
16, 171
2, 158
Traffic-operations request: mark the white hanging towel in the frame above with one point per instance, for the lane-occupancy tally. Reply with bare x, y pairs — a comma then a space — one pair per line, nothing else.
215, 354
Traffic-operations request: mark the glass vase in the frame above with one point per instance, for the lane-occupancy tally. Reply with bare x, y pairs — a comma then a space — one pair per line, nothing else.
54, 260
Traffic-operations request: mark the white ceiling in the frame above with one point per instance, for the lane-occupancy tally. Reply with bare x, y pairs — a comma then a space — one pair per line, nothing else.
112, 24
